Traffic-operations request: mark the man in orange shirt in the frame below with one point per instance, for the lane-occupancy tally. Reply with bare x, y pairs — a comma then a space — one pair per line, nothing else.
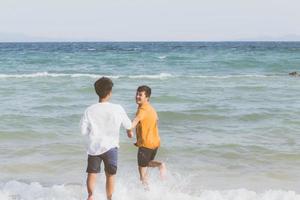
147, 135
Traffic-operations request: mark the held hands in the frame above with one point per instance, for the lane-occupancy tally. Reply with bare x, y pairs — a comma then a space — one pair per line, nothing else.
130, 133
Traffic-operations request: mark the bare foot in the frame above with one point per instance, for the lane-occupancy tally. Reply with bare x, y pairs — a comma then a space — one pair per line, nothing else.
109, 198
146, 187
163, 171
91, 197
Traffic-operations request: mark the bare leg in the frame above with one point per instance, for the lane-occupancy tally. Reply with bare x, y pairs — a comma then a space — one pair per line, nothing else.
110, 183
161, 166
91, 182
144, 176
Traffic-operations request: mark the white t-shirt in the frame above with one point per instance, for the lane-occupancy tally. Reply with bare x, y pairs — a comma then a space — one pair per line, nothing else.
101, 122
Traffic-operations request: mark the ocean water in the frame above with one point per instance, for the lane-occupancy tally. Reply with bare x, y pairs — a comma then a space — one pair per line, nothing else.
229, 118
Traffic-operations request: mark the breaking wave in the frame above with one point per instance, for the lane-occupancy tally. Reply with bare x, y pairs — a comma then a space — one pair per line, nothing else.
142, 76
24, 191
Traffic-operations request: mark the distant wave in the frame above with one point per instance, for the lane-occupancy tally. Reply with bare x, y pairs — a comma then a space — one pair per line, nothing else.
19, 190
235, 76
46, 74
142, 76
162, 57
78, 75
158, 76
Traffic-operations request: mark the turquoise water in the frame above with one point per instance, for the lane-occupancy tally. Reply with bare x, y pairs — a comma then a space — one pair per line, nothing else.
229, 118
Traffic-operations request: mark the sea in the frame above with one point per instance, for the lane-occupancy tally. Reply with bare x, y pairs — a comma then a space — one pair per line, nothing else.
229, 118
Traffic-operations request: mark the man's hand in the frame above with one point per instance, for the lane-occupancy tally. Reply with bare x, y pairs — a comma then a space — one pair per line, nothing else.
130, 133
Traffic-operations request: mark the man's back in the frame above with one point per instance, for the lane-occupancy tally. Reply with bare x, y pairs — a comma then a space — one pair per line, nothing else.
101, 122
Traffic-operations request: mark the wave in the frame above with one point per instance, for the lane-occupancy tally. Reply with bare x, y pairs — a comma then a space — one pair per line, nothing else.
161, 57
158, 76
46, 74
143, 76
20, 190
78, 75
236, 76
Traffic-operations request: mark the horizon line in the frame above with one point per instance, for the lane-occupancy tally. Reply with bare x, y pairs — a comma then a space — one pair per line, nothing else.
145, 41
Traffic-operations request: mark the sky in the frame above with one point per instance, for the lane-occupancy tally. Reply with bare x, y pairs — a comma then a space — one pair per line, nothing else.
149, 20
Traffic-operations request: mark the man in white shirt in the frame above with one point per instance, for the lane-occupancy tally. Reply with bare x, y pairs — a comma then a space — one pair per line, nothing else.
101, 124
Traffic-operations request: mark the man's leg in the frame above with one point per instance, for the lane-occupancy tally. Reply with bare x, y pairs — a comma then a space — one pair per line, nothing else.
92, 169
91, 182
143, 157
143, 176
161, 166
110, 159
110, 185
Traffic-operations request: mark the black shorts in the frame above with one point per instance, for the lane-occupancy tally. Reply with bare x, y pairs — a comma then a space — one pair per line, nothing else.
110, 160
145, 155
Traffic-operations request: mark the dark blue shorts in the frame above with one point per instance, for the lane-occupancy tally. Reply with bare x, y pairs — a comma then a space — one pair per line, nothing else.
110, 160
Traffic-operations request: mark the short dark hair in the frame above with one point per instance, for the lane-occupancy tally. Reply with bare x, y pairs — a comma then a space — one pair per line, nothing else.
103, 87
146, 89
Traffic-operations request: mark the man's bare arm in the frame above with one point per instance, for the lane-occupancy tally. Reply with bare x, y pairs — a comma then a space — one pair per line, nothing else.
135, 122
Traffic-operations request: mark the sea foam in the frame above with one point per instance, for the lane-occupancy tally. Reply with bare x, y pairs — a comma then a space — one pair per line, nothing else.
47, 74
79, 75
18, 190
142, 76
162, 57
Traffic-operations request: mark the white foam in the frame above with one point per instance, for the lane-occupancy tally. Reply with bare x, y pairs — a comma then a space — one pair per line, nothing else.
91, 76
46, 74
18, 190
38, 74
243, 194
162, 57
33, 75
158, 76
143, 76
78, 75
233, 76
132, 191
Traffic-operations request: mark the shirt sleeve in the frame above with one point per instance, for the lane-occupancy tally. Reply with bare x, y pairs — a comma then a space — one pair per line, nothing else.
85, 124
126, 122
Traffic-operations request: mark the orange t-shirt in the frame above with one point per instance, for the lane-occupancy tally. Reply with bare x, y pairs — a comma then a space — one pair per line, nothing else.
147, 130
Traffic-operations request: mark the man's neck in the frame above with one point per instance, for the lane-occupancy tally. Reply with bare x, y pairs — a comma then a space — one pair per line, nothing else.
143, 104
104, 100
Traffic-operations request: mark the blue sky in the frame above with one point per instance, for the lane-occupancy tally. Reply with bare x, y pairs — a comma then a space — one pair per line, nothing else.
149, 20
